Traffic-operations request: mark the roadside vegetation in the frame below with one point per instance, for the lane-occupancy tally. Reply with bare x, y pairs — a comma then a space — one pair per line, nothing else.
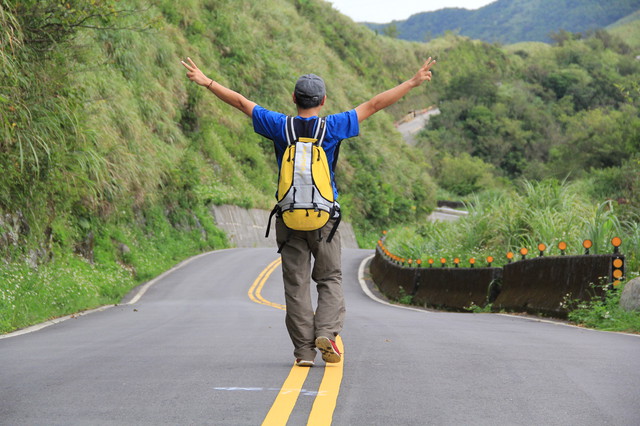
604, 313
547, 212
542, 149
530, 213
110, 159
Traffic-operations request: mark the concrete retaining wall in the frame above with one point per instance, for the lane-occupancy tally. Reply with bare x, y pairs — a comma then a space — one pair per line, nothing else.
454, 288
247, 227
393, 280
449, 288
539, 285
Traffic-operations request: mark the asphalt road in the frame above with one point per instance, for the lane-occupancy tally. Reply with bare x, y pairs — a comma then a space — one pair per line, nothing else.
411, 128
445, 214
206, 345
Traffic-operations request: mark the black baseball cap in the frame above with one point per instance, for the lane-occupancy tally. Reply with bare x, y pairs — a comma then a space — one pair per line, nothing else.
311, 87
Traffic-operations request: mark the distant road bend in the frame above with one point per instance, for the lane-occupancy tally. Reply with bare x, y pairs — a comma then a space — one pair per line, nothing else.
206, 344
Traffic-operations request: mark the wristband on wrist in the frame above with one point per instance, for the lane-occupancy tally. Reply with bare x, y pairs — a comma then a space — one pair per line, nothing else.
210, 83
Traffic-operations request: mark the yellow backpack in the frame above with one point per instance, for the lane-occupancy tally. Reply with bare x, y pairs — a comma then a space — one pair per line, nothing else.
305, 195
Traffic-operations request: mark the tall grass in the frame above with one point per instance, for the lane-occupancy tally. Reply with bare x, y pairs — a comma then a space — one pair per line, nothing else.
545, 212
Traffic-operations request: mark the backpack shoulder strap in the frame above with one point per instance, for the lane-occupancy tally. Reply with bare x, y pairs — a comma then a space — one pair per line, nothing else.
319, 133
289, 131
321, 130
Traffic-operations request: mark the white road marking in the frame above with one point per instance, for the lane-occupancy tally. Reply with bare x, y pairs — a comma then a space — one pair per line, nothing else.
136, 298
368, 292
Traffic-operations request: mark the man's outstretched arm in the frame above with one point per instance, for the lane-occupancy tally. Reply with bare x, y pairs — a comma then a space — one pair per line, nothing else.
227, 95
391, 96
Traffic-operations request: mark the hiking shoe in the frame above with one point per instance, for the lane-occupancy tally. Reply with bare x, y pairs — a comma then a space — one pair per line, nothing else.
303, 363
329, 349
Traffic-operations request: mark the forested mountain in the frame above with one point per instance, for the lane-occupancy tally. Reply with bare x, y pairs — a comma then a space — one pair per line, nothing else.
512, 21
534, 110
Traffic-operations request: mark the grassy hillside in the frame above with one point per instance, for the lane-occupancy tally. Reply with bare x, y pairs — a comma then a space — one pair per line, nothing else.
512, 21
628, 28
110, 156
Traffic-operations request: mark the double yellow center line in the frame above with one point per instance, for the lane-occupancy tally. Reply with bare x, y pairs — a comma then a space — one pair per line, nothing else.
327, 396
255, 291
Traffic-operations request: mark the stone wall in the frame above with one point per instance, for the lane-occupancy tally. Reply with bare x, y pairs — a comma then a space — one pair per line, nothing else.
247, 227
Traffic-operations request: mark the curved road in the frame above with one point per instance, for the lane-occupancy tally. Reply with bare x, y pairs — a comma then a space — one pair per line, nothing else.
206, 345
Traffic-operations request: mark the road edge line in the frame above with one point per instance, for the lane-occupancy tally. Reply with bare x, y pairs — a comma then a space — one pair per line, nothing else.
368, 292
146, 286
372, 296
142, 290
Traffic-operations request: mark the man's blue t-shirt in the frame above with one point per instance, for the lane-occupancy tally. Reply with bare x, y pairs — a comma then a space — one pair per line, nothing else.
340, 126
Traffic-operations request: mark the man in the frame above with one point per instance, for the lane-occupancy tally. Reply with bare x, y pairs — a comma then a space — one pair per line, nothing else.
309, 330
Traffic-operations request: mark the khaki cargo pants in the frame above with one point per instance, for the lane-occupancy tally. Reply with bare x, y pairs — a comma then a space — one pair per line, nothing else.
303, 326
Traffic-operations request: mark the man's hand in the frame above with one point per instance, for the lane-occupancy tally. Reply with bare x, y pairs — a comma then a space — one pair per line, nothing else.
195, 74
391, 96
234, 99
423, 74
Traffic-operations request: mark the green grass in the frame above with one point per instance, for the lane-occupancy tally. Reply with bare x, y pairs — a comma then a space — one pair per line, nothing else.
64, 286
123, 257
604, 313
537, 212
502, 221
627, 29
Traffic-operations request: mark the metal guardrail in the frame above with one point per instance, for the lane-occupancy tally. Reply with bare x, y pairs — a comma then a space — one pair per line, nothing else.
536, 285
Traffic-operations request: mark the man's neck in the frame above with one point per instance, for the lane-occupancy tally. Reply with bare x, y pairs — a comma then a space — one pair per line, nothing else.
310, 112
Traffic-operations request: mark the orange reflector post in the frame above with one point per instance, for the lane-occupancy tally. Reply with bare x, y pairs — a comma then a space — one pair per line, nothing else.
472, 262
489, 260
562, 246
616, 242
430, 262
443, 261
542, 248
617, 271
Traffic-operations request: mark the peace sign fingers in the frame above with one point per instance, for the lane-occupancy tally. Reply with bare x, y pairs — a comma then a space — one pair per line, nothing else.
194, 74
191, 66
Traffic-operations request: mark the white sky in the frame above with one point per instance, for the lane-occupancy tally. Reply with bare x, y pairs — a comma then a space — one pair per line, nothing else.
383, 11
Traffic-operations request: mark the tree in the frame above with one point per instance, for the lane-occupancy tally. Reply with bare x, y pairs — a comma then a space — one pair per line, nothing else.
391, 30
464, 174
